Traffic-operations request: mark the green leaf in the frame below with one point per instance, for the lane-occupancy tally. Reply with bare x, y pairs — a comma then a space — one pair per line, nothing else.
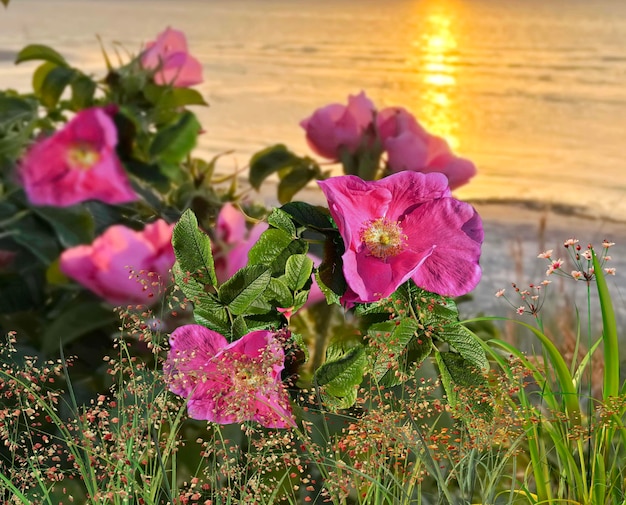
396, 345
193, 290
211, 313
296, 179
73, 225
329, 274
610, 336
18, 118
165, 98
316, 218
260, 306
15, 110
39, 75
192, 248
298, 271
465, 386
465, 344
40, 52
300, 299
281, 220
75, 321
53, 85
6, 4
244, 287
173, 143
18, 294
207, 311
273, 249
83, 90
268, 161
278, 292
240, 328
32, 234
342, 372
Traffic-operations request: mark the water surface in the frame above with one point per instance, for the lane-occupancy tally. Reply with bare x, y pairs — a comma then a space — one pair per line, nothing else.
533, 91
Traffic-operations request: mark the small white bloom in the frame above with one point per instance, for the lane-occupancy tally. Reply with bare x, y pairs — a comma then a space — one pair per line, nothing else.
577, 274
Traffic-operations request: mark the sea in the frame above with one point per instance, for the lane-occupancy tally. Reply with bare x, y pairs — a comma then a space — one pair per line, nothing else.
533, 91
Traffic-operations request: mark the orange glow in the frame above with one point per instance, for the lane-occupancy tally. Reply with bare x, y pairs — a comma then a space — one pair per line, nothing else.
436, 60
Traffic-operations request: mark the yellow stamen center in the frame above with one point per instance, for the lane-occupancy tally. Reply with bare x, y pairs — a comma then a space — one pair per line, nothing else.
82, 156
383, 238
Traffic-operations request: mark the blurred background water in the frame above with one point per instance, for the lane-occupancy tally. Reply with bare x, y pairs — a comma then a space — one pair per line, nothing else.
533, 91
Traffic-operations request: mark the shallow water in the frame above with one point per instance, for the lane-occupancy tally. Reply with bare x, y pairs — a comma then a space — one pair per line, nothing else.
533, 91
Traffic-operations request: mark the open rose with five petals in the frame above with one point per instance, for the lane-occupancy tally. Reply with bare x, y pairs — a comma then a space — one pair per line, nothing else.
405, 226
76, 164
229, 383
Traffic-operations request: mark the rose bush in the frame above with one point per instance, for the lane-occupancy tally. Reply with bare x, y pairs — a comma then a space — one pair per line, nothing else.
84, 162
91, 161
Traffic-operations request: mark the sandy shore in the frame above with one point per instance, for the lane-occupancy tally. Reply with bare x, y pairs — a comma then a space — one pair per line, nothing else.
516, 232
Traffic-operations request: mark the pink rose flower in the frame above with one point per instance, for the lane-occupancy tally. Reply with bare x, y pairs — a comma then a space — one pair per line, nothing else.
410, 147
405, 226
76, 164
124, 266
229, 383
337, 127
168, 55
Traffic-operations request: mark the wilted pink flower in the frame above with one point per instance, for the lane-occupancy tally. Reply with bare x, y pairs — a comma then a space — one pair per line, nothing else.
229, 383
545, 255
410, 147
124, 266
168, 55
336, 127
76, 164
405, 226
